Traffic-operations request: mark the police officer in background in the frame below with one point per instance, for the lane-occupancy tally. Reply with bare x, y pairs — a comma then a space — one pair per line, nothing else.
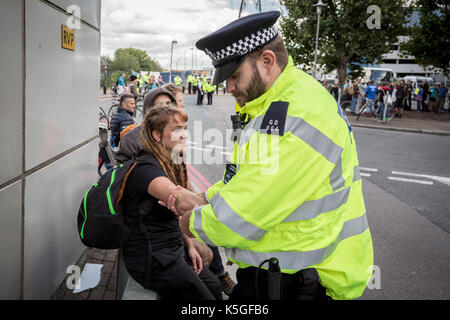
200, 92
195, 84
292, 219
190, 79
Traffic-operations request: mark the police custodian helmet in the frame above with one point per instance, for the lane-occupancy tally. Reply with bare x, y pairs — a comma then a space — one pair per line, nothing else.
229, 46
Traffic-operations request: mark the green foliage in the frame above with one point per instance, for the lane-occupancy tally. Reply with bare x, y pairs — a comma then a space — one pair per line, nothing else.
127, 59
345, 40
430, 39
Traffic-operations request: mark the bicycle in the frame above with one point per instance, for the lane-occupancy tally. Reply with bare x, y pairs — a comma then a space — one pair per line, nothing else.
103, 117
346, 105
365, 109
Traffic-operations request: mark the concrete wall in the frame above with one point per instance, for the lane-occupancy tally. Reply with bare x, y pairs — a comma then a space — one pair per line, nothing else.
48, 135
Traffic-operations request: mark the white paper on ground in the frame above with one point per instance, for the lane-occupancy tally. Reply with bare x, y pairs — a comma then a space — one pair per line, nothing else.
90, 277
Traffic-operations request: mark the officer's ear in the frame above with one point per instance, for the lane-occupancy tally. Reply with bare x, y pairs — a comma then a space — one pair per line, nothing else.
268, 60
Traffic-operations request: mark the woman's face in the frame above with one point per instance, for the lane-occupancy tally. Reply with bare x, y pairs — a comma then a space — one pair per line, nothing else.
180, 100
162, 99
174, 136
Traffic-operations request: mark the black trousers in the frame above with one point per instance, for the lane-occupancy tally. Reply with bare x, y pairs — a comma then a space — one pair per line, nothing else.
199, 97
303, 285
171, 275
179, 282
189, 87
210, 94
216, 265
194, 88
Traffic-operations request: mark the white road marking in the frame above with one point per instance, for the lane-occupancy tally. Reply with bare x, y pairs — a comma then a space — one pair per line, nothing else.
203, 149
411, 180
444, 180
364, 174
216, 147
368, 169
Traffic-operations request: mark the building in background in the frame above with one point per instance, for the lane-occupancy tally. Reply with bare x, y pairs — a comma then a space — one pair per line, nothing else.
49, 93
404, 65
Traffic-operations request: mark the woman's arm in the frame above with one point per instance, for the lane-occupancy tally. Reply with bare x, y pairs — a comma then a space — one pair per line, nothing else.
185, 200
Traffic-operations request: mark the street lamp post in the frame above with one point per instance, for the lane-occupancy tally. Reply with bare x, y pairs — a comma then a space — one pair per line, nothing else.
171, 52
319, 5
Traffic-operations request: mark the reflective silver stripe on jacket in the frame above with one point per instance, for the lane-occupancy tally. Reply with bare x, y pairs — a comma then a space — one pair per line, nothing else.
293, 260
226, 215
307, 210
198, 226
310, 135
311, 209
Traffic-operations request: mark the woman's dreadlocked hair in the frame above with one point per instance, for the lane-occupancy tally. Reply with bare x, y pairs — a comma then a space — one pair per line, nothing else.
157, 119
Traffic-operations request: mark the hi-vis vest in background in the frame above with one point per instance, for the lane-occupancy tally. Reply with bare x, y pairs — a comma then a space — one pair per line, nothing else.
292, 189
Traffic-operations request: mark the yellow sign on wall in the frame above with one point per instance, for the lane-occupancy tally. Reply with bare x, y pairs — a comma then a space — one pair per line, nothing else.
67, 38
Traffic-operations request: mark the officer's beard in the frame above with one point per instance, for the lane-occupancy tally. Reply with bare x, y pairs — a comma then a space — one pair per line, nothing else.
256, 88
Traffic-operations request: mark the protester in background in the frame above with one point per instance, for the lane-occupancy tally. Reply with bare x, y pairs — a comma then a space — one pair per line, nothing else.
160, 82
177, 92
380, 98
371, 95
152, 83
121, 84
130, 142
433, 91
335, 91
409, 91
133, 86
400, 95
353, 90
419, 98
442, 92
361, 90
122, 118
426, 89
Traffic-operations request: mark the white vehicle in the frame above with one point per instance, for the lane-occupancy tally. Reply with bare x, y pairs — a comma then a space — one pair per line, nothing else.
378, 75
417, 80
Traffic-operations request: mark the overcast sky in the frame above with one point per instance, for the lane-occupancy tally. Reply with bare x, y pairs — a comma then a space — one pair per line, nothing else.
151, 25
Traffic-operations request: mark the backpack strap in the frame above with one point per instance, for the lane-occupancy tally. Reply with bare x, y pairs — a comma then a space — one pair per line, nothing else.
122, 187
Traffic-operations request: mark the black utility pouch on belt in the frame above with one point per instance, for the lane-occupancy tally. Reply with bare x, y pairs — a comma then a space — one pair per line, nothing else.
310, 287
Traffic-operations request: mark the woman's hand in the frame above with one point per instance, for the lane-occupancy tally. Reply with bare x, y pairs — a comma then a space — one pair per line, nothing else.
196, 260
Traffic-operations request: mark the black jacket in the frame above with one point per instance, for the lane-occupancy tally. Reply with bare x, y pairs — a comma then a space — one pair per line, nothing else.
120, 121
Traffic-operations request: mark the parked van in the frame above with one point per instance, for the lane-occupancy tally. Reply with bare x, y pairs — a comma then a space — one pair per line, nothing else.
378, 75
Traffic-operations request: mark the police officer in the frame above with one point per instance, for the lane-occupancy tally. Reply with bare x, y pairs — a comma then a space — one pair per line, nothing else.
177, 80
195, 84
200, 91
190, 79
291, 217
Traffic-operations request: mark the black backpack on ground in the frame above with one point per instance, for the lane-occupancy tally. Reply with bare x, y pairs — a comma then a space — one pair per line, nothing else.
100, 217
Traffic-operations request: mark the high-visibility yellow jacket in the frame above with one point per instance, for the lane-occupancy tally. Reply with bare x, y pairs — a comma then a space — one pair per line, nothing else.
177, 80
190, 78
195, 81
292, 189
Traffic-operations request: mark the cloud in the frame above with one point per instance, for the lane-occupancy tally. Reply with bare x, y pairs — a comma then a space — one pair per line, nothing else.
152, 25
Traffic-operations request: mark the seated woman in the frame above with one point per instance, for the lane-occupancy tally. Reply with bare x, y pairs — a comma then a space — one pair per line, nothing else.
163, 137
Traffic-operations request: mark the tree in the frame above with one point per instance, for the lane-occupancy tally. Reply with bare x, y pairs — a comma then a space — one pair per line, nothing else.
352, 32
429, 40
127, 59
124, 62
